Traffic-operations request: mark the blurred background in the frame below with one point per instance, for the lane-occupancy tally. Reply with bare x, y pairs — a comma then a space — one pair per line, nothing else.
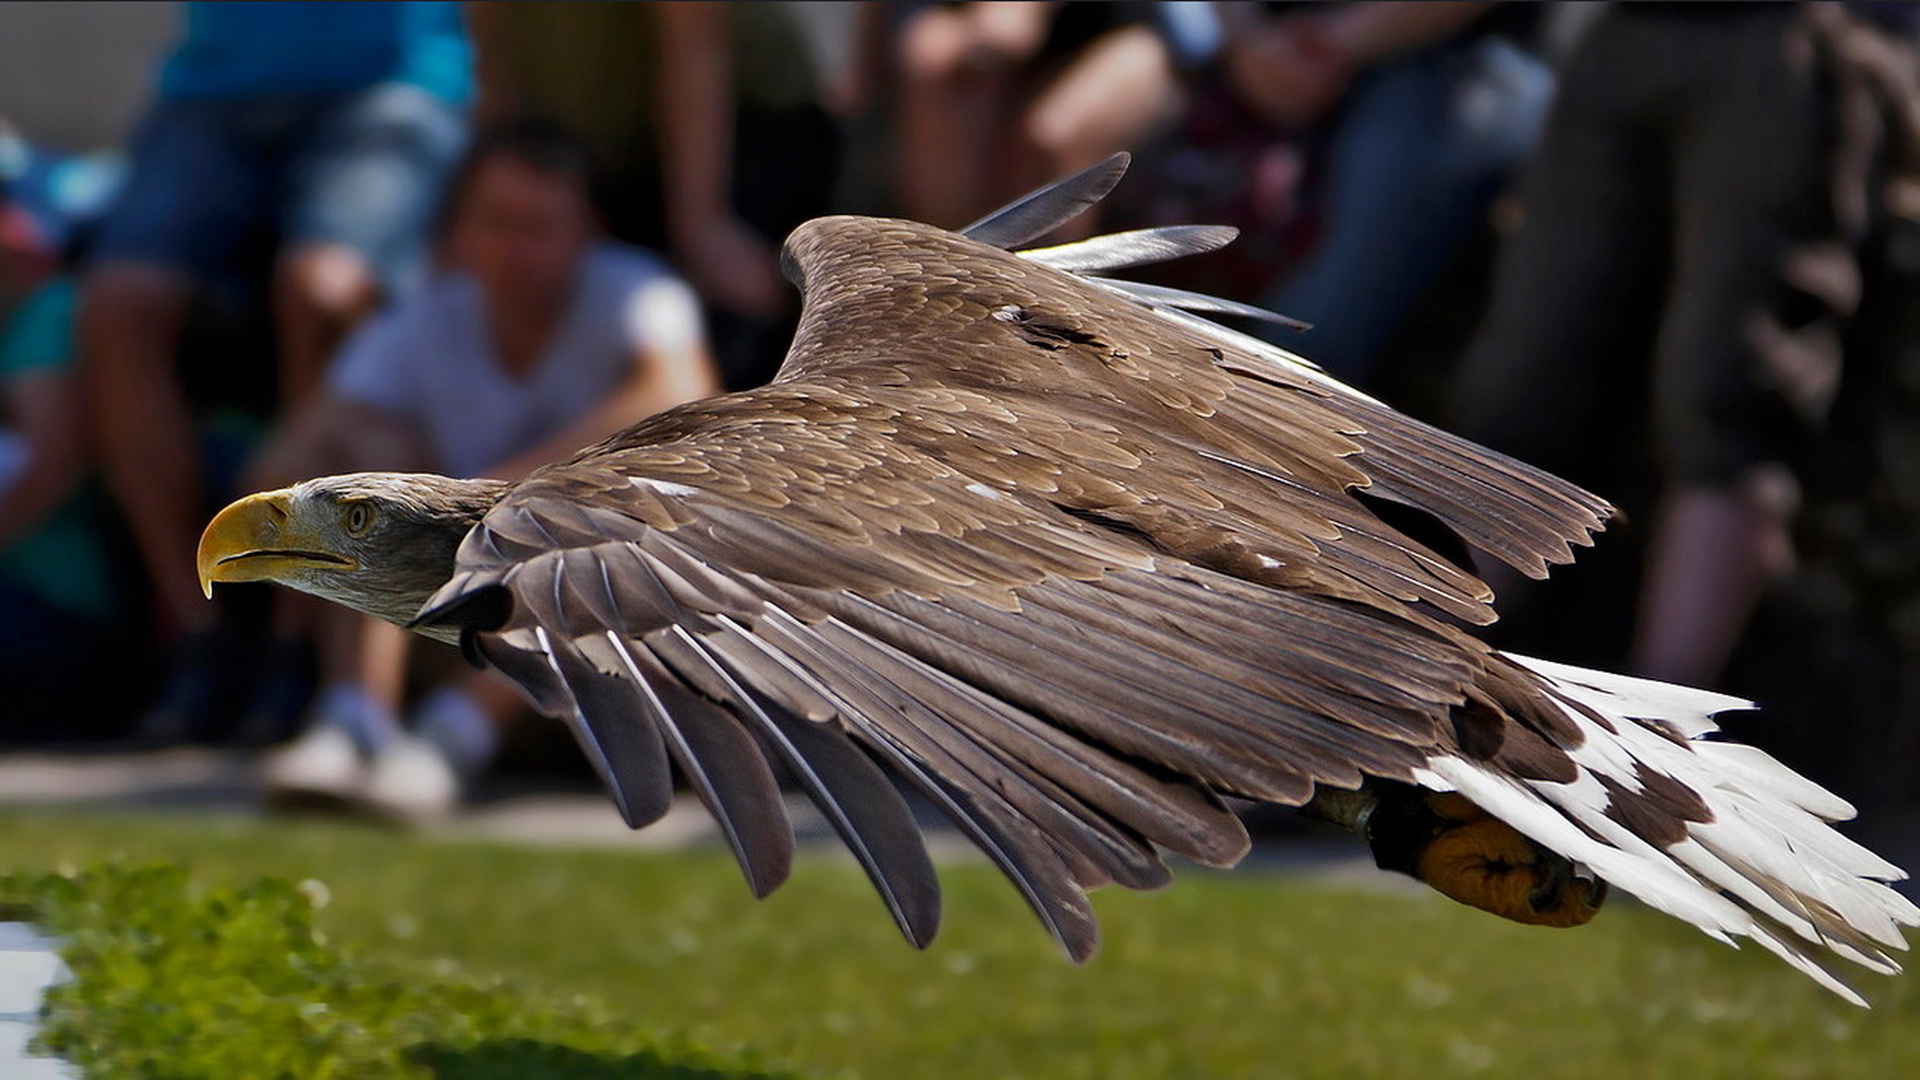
1669, 251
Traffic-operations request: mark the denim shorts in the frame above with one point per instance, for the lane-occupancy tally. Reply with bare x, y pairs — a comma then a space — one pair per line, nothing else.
362, 170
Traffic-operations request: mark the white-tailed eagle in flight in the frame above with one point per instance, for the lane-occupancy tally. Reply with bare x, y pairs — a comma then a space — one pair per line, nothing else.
1077, 564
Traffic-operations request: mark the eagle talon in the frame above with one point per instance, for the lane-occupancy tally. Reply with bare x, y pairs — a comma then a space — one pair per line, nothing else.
1489, 865
1556, 876
1475, 858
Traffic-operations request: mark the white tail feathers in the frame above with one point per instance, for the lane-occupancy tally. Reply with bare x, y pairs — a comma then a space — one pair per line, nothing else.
1768, 866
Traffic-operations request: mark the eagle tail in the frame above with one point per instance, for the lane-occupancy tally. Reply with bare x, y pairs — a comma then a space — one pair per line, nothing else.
1763, 861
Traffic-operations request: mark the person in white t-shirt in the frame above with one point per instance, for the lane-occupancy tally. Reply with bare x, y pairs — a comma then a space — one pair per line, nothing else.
538, 339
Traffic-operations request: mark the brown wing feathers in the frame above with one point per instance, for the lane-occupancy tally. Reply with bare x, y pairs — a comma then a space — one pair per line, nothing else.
1067, 569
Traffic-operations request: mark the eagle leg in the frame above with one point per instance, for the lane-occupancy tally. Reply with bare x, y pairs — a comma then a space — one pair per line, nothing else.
1487, 864
1464, 853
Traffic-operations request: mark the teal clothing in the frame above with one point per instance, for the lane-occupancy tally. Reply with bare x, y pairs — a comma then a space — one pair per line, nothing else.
305, 48
62, 561
39, 335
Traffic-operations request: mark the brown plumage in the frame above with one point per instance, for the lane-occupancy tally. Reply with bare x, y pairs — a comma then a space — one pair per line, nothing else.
1074, 565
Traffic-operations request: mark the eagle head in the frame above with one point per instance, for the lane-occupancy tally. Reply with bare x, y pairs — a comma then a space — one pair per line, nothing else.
379, 543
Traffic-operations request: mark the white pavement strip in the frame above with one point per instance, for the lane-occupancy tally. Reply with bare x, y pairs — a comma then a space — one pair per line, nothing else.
28, 965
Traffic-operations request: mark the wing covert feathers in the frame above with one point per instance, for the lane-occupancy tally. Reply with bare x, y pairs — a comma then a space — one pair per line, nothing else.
1072, 563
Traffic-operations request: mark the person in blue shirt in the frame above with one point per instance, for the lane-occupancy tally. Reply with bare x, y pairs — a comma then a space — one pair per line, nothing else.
332, 126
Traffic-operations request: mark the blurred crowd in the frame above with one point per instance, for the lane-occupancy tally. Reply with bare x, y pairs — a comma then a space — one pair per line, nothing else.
1667, 250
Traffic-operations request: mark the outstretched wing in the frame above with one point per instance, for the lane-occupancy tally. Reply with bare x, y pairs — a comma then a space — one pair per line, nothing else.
805, 593
1065, 565
1069, 561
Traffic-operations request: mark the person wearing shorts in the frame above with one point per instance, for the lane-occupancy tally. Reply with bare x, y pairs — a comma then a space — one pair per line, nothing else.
1687, 260
330, 126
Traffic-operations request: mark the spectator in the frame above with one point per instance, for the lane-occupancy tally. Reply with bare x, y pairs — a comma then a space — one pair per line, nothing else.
1688, 253
541, 339
25, 259
998, 98
1354, 145
708, 134
57, 610
331, 125
1417, 114
51, 199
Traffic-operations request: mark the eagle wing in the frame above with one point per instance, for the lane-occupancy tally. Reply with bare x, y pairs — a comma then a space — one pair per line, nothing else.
1063, 558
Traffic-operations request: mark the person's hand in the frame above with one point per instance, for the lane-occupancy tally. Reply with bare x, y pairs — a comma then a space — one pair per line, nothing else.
1004, 34
730, 266
1287, 71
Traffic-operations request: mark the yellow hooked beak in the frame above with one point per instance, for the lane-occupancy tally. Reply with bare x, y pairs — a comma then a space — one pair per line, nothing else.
258, 539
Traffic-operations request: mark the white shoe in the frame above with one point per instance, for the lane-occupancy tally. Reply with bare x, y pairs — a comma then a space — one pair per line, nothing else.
412, 782
320, 770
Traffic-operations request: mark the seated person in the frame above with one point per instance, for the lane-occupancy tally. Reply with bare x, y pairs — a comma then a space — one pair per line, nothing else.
708, 132
57, 607
1357, 146
540, 338
25, 258
328, 129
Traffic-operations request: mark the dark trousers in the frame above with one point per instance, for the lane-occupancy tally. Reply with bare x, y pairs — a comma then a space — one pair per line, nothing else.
1678, 256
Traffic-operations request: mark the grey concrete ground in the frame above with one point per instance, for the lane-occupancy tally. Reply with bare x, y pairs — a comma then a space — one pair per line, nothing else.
221, 782
557, 814
191, 781
28, 965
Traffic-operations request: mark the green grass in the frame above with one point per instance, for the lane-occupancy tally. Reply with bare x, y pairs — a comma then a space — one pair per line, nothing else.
616, 965
173, 980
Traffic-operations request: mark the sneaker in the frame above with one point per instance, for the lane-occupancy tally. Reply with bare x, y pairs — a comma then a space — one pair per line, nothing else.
320, 771
410, 782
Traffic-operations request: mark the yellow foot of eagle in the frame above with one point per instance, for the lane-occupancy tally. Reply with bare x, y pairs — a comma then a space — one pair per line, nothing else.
1478, 859
1465, 853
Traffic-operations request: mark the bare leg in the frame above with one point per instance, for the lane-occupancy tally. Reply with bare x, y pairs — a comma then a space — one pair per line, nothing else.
129, 326
367, 652
950, 111
1106, 101
502, 702
1711, 556
331, 435
320, 292
355, 715
362, 661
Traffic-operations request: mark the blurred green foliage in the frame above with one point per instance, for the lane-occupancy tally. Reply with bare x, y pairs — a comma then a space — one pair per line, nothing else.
173, 982
476, 960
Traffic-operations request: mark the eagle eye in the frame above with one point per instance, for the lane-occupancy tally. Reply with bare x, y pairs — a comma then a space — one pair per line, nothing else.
359, 517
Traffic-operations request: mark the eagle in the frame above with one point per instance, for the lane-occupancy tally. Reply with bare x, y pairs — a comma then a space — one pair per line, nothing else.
1080, 566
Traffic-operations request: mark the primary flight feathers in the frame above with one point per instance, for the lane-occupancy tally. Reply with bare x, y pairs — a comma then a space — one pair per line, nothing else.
1075, 563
